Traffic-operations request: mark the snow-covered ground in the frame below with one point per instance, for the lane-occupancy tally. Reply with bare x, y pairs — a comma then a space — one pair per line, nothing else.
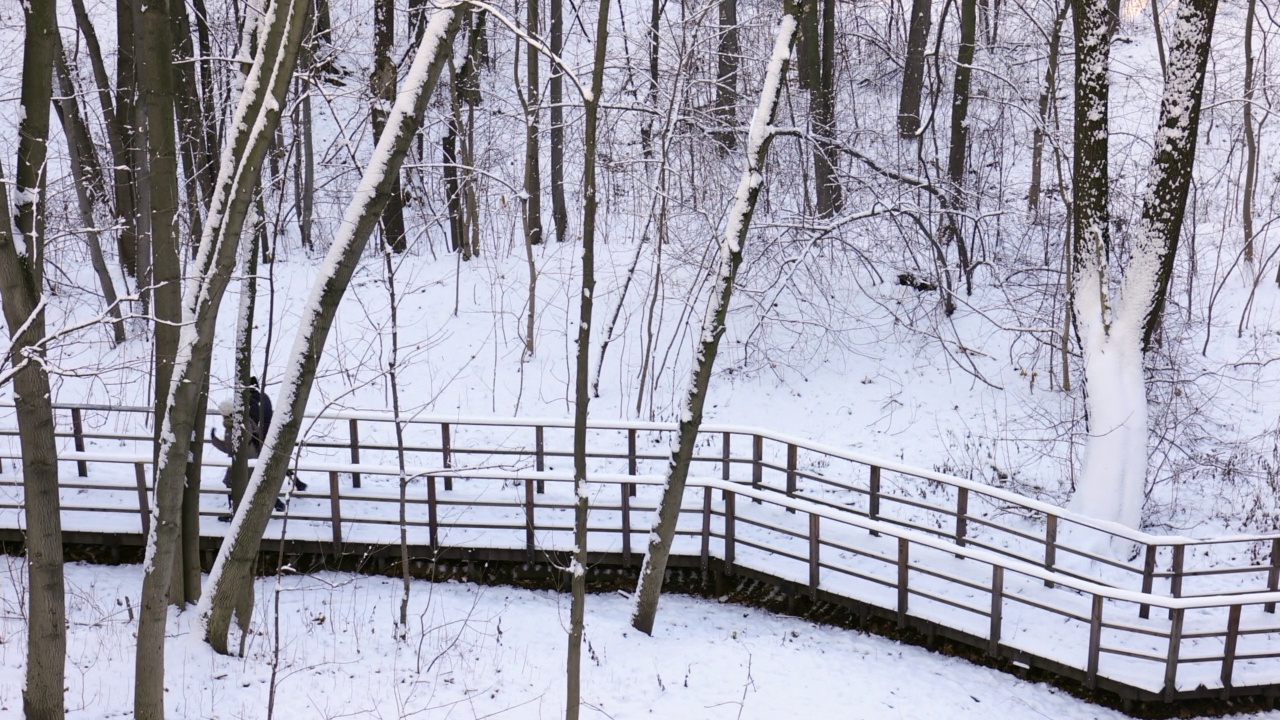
480, 652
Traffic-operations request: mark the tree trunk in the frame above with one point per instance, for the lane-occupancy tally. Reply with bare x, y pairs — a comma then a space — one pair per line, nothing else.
960, 137
232, 570
127, 202
559, 209
23, 301
155, 76
913, 70
582, 374
86, 172
383, 84
727, 62
649, 587
249, 134
24, 309
825, 165
1113, 335
532, 171
1163, 208
1047, 96
1250, 138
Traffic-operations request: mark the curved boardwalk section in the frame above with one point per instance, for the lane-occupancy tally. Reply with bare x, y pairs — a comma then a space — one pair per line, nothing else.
1149, 618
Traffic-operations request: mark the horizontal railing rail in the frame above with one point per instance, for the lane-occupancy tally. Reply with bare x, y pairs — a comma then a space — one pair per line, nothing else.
753, 506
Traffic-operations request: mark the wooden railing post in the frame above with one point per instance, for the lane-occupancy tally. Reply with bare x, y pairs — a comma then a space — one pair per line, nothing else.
1095, 642
144, 507
1175, 582
631, 463
962, 515
791, 473
1175, 647
528, 519
335, 513
1229, 649
1050, 545
873, 497
445, 455
1273, 577
626, 523
77, 431
1148, 578
540, 455
904, 564
433, 514
725, 462
997, 610
757, 462
815, 549
706, 527
353, 432
728, 532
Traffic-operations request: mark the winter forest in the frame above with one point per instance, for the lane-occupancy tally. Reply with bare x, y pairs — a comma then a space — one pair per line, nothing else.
1029, 245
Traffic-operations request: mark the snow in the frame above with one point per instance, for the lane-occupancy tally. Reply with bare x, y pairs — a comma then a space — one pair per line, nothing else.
473, 651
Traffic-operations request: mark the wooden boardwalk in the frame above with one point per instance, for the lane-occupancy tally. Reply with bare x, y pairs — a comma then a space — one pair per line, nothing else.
1149, 618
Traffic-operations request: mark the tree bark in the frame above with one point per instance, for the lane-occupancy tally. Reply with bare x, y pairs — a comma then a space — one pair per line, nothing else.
913, 70
249, 134
1047, 95
1250, 138
559, 209
1113, 335
156, 102
829, 192
649, 588
232, 570
959, 151
582, 374
23, 305
1163, 208
91, 189
727, 62
532, 106
383, 84
127, 201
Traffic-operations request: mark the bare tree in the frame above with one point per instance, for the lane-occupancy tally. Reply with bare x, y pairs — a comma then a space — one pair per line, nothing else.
727, 62
1114, 331
532, 200
383, 84
760, 137
24, 312
232, 569
959, 151
90, 188
582, 374
913, 70
249, 134
1048, 97
559, 210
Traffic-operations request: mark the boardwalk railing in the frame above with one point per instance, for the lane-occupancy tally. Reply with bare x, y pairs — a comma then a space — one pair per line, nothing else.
1009, 576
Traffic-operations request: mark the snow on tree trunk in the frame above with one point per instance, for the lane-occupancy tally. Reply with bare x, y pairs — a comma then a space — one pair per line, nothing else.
713, 324
234, 563
250, 132
1114, 336
23, 301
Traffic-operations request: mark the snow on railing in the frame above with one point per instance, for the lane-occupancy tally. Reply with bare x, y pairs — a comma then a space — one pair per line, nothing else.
966, 575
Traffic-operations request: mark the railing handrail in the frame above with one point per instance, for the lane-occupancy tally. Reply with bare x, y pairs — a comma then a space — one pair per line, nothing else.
772, 498
1214, 617
1112, 528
